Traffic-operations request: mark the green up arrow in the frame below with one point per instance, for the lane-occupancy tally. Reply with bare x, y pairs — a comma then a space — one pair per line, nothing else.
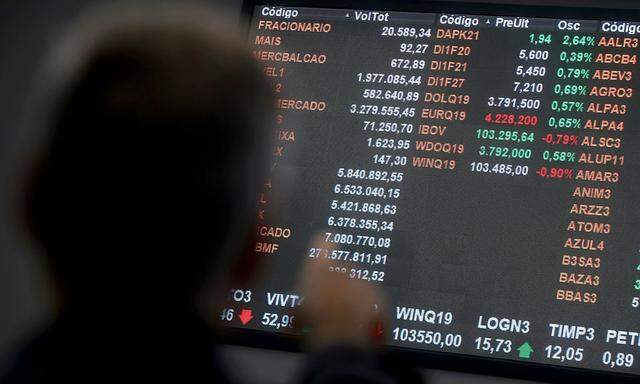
525, 350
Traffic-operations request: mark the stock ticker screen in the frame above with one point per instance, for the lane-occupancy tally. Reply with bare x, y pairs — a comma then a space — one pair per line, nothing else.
484, 171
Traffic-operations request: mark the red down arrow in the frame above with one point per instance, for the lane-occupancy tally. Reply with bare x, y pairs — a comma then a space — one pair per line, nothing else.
245, 316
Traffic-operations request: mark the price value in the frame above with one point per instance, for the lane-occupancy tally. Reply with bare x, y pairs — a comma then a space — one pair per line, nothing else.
491, 345
562, 354
617, 360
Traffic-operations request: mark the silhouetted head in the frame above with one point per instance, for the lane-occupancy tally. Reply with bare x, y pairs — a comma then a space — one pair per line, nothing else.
157, 144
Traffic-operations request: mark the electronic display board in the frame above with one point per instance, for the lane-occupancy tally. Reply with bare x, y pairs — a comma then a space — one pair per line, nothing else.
482, 168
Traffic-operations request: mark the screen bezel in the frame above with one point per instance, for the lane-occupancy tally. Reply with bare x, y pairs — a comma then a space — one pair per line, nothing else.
434, 359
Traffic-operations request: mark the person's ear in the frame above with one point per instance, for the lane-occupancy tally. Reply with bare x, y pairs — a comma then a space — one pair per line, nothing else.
26, 210
28, 189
